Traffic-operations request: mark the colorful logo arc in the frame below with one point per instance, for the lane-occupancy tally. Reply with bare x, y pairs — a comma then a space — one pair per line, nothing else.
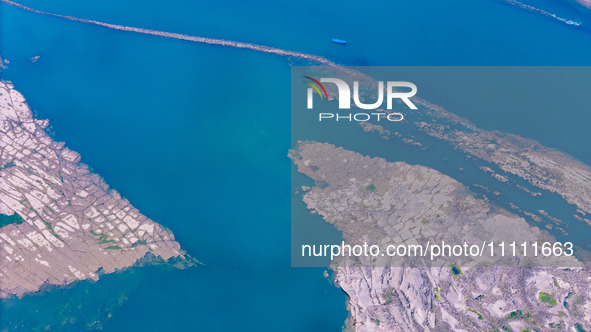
316, 87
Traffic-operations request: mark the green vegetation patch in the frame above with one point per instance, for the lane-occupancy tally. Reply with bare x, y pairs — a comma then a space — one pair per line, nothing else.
548, 298
515, 313
477, 313
370, 188
425, 221
139, 243
48, 224
113, 247
102, 237
388, 296
556, 326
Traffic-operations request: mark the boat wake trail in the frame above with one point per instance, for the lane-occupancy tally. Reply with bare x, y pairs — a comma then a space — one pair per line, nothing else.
541, 12
195, 39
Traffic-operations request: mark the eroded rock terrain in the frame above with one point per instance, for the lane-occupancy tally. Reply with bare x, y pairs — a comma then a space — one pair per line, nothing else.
72, 225
372, 200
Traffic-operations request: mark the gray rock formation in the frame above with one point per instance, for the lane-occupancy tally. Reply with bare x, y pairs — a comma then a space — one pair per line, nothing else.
545, 168
74, 226
371, 200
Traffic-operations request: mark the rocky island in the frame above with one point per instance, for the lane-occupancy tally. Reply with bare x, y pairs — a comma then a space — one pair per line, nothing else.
68, 225
370, 199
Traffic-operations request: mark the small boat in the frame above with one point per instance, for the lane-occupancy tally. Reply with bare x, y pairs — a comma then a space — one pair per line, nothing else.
339, 41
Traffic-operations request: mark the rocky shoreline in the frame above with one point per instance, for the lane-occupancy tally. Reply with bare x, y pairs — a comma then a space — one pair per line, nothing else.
74, 226
369, 199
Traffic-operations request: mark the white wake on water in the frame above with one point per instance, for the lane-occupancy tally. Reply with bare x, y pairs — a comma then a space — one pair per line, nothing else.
542, 12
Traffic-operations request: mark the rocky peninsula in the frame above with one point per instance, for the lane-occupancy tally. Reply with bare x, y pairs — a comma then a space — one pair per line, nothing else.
69, 225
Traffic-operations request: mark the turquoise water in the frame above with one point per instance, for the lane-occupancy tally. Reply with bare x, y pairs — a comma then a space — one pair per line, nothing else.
7, 220
196, 136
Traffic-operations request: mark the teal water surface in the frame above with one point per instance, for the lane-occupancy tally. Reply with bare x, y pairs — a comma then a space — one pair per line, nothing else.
196, 137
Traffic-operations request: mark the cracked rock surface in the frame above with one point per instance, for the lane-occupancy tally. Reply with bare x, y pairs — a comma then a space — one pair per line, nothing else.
372, 200
73, 226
